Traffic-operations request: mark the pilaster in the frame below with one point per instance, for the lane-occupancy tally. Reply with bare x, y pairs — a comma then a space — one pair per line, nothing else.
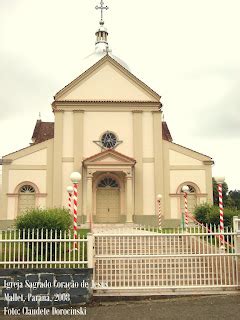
129, 183
5, 183
49, 182
209, 188
138, 155
57, 159
158, 154
78, 116
89, 196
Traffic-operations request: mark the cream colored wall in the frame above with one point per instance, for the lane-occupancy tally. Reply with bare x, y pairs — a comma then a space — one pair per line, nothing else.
37, 177
16, 177
32, 164
175, 209
185, 165
176, 158
35, 158
148, 189
96, 86
178, 177
41, 202
96, 123
67, 169
147, 122
67, 134
12, 208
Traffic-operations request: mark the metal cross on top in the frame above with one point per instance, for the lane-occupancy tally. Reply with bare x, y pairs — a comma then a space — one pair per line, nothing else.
102, 7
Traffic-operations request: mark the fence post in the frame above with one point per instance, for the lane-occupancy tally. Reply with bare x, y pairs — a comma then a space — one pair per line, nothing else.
90, 249
236, 229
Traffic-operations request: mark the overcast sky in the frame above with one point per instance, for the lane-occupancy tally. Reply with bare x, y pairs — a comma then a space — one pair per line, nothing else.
188, 51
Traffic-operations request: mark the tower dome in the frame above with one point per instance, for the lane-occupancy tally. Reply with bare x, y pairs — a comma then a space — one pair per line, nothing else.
101, 45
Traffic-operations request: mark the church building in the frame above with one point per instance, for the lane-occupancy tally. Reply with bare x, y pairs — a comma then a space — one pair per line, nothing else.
109, 127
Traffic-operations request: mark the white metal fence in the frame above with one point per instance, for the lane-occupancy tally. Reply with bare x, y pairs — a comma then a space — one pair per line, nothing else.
42, 249
191, 258
131, 259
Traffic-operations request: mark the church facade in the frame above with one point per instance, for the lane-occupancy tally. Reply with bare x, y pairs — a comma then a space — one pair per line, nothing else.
108, 126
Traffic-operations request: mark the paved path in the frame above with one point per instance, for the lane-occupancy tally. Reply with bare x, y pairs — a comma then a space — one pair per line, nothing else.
194, 308
184, 308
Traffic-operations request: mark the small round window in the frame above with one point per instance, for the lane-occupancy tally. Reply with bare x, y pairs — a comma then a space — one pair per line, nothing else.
109, 140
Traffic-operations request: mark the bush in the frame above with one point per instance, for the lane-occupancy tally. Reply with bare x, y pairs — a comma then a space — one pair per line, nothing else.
57, 219
205, 213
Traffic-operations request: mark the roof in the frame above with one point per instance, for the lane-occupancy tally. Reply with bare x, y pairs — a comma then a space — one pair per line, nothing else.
43, 131
202, 154
165, 132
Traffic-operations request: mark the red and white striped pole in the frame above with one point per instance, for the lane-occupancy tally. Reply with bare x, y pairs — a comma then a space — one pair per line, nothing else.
70, 191
159, 197
75, 186
75, 177
220, 181
185, 189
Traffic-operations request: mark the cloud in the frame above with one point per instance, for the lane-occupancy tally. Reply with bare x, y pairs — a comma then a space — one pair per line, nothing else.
222, 119
22, 88
217, 95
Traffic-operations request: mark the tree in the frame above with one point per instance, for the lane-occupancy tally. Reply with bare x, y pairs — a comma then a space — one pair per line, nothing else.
224, 192
234, 199
205, 213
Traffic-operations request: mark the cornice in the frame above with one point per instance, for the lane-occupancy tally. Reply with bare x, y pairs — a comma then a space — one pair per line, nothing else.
94, 102
78, 111
81, 106
5, 161
210, 162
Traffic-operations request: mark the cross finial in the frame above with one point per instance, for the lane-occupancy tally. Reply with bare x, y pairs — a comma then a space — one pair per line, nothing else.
101, 7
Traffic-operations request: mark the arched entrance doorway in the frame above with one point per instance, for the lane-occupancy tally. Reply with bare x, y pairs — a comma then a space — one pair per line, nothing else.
108, 200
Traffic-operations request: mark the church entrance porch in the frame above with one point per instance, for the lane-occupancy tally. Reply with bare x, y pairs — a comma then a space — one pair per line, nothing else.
109, 181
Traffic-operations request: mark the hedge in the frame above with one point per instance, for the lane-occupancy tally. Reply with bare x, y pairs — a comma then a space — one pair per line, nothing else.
206, 214
47, 219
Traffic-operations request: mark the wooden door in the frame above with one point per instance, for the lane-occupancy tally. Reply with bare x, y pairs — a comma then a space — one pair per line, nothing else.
108, 205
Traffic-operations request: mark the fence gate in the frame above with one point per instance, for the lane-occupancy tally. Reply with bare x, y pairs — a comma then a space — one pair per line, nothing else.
142, 262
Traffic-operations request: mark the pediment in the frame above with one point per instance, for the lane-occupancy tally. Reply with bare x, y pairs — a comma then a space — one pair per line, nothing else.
109, 157
107, 80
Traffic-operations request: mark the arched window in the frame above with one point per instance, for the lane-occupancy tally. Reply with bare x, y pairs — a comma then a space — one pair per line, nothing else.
108, 182
26, 198
191, 197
